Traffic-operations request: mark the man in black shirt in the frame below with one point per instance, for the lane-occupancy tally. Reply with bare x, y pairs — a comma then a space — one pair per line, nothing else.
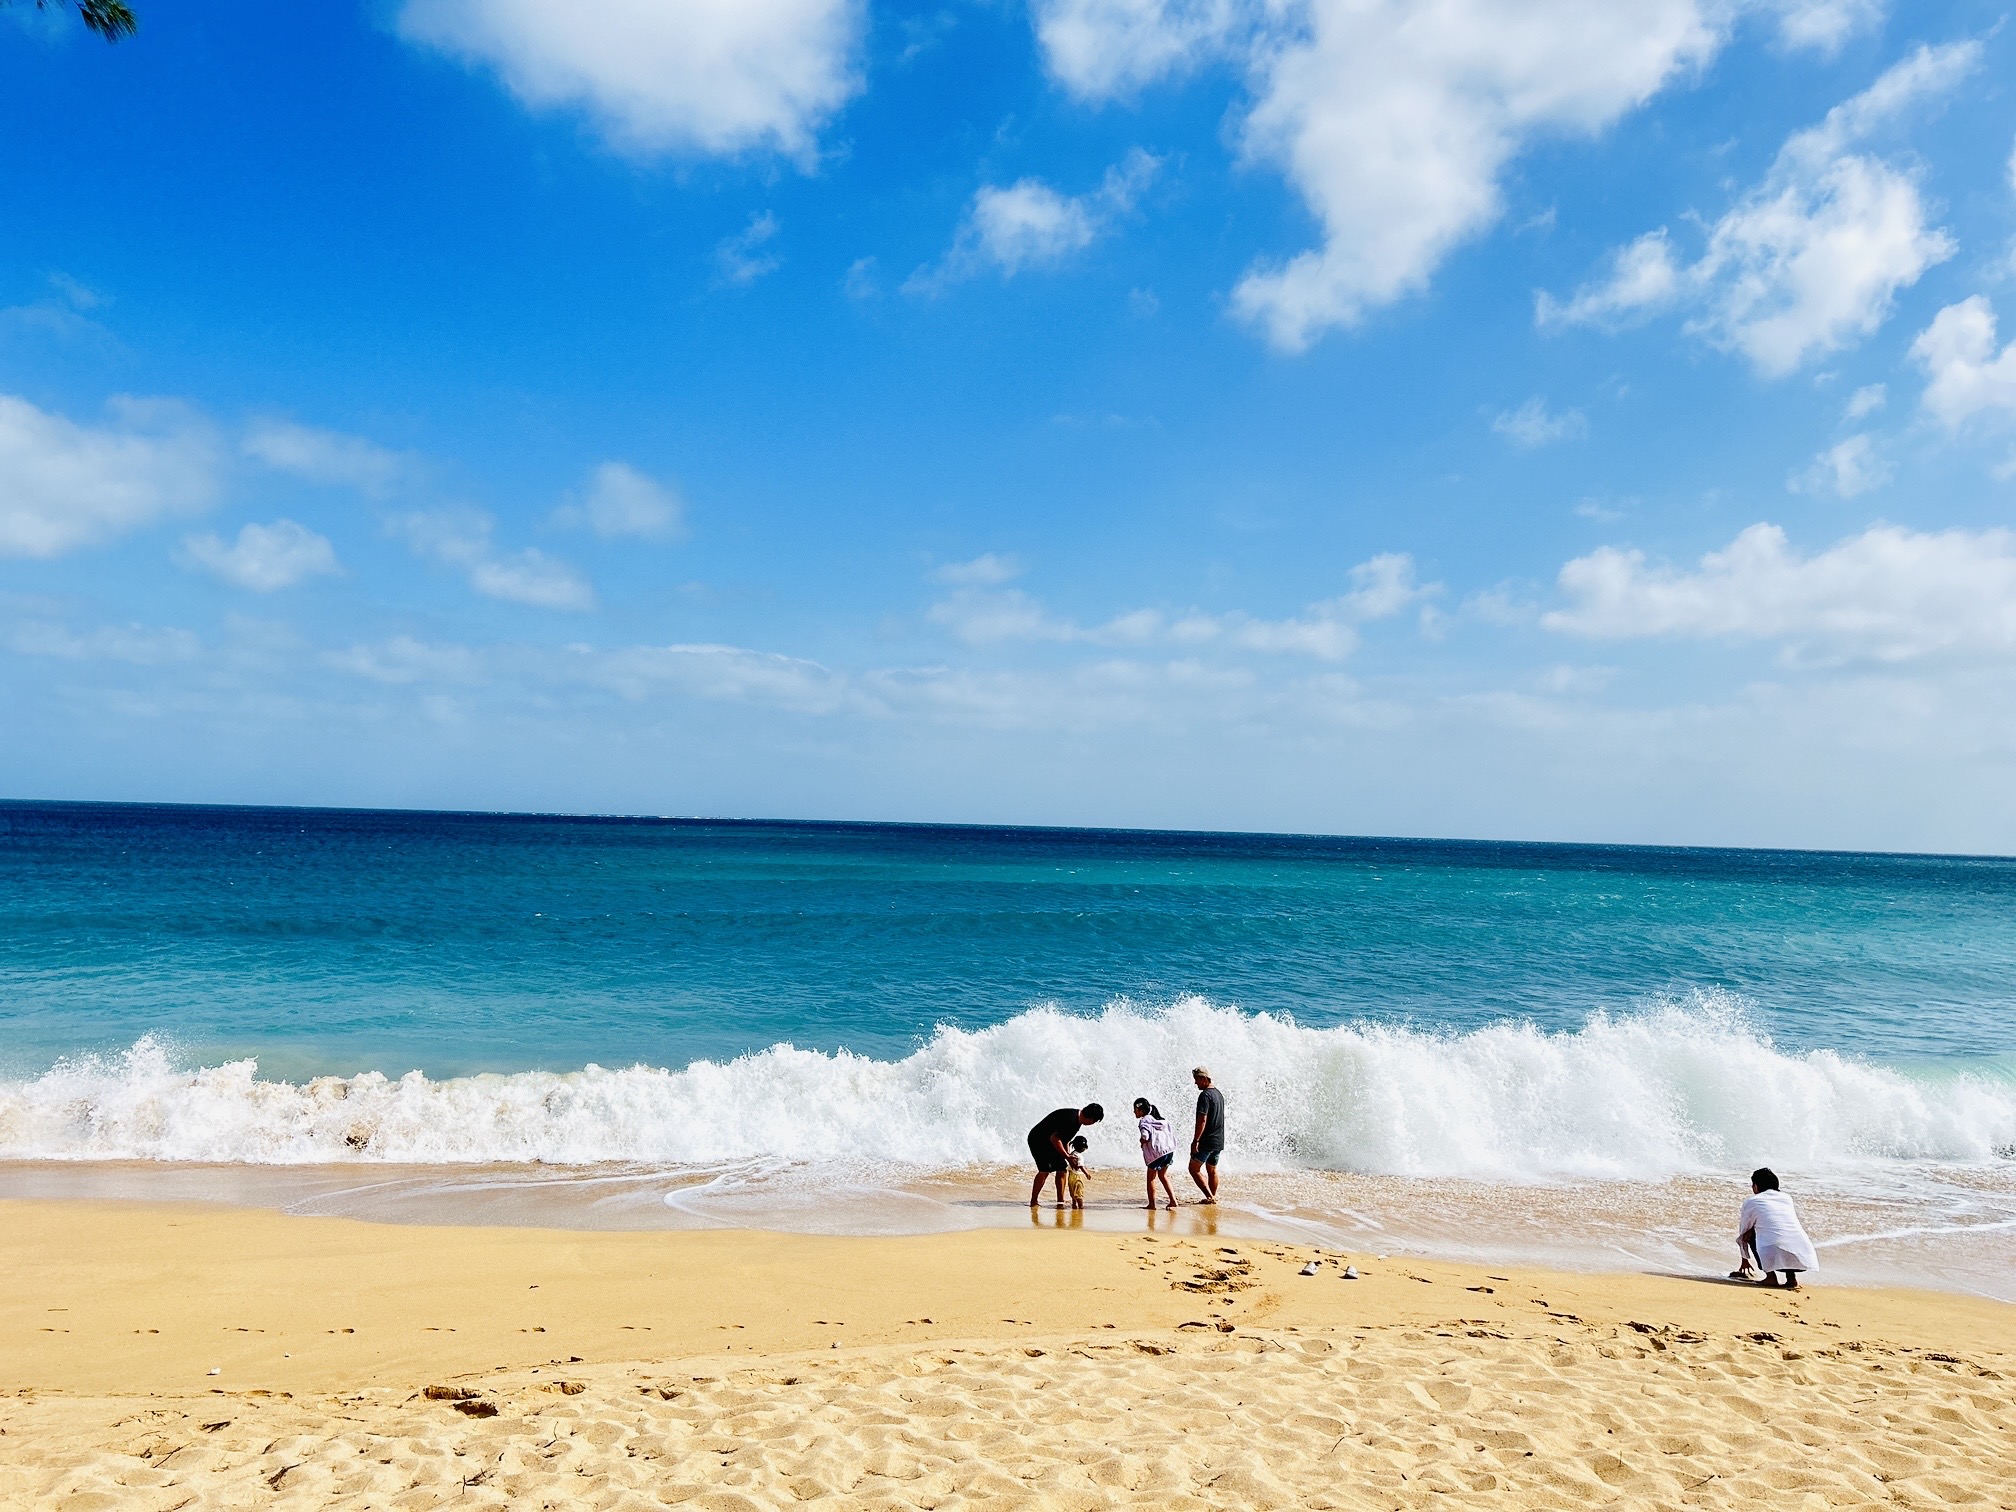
1050, 1145
1208, 1142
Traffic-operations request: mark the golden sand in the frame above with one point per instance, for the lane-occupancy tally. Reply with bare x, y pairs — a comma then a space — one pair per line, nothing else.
1037, 1368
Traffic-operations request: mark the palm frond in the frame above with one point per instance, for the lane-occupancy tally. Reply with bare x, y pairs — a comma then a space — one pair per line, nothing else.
111, 19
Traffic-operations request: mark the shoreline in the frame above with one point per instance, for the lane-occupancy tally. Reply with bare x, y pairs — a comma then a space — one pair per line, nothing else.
110, 1296
886, 1369
1947, 1231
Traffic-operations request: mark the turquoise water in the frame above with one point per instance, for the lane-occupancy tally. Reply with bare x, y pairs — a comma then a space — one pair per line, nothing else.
1565, 1053
339, 942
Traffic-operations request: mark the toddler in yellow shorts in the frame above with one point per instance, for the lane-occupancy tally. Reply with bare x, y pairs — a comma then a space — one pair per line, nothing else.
1076, 1175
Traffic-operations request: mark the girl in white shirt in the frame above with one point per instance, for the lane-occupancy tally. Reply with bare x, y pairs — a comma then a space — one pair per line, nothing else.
1158, 1147
1769, 1235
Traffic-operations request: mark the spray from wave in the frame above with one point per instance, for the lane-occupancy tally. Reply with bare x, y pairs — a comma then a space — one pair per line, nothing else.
1686, 1087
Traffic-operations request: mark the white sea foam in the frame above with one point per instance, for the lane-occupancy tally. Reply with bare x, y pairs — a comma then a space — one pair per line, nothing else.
1683, 1088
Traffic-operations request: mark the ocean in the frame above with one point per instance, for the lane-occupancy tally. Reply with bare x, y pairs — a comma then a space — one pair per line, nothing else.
1571, 1054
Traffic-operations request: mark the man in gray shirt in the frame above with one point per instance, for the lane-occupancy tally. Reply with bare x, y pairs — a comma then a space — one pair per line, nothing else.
1208, 1142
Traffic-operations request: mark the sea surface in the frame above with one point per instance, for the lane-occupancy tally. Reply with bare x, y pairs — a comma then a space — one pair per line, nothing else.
1566, 1053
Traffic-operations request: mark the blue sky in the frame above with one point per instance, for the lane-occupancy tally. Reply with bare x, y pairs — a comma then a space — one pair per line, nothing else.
1544, 418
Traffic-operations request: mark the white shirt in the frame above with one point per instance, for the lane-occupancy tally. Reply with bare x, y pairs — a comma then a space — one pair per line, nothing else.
1781, 1242
1157, 1139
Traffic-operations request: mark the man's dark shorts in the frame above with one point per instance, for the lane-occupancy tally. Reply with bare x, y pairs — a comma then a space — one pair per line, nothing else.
1208, 1154
1045, 1155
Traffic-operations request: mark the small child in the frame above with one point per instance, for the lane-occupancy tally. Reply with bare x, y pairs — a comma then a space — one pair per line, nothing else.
1077, 1174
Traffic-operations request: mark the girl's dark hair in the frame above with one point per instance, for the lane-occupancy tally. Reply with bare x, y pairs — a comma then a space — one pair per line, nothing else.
1764, 1179
1142, 1102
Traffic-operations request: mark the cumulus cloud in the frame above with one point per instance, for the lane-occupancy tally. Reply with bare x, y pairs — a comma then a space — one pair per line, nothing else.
532, 577
1887, 595
711, 77
1379, 588
742, 258
1866, 400
1533, 424
324, 456
1643, 278
461, 538
64, 485
1845, 469
1103, 49
1028, 224
1395, 122
1810, 260
1967, 376
1823, 26
264, 558
621, 501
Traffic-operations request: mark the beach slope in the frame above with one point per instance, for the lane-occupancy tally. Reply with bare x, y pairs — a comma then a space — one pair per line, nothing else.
169, 1357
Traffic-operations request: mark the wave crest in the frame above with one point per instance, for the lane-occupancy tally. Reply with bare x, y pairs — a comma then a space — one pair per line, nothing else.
1688, 1086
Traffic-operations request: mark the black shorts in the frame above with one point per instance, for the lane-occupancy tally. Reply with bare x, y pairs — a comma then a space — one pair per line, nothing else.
1045, 1155
1208, 1154
1161, 1162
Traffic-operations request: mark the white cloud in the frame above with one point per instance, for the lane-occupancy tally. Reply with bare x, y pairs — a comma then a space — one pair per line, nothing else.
461, 538
1814, 262
985, 570
725, 673
324, 456
1532, 424
136, 645
1643, 278
1846, 469
1888, 595
1823, 26
741, 257
860, 282
264, 557
1104, 49
1030, 225
532, 577
1866, 400
402, 660
1380, 588
64, 486
1968, 377
621, 501
716, 77
1811, 259
1395, 122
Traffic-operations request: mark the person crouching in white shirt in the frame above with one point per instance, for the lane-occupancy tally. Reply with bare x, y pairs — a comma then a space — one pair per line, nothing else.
1769, 1235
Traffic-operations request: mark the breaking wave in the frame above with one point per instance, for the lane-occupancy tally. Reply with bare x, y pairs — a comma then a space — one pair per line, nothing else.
1688, 1086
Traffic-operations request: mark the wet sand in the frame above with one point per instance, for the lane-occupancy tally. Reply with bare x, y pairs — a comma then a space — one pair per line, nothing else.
1041, 1365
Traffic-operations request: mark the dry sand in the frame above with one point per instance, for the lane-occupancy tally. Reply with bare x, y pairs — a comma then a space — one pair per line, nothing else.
1040, 1368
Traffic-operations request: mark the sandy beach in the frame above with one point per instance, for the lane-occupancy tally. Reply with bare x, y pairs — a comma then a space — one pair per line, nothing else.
195, 1356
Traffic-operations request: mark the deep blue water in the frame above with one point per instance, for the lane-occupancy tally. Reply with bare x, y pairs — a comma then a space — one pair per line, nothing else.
339, 941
